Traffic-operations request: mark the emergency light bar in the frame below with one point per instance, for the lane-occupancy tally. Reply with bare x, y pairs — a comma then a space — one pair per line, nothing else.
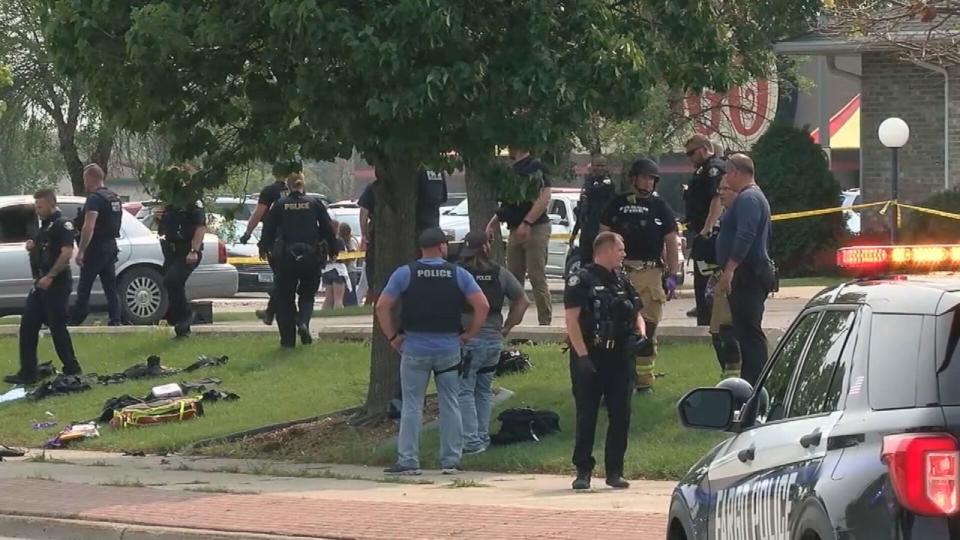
920, 258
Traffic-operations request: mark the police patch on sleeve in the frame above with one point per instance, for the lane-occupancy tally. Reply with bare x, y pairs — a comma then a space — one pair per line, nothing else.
573, 281
713, 171
68, 225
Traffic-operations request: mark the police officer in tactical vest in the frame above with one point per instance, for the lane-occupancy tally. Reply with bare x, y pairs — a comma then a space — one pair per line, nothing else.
300, 237
604, 327
482, 353
597, 192
702, 201
649, 229
50, 251
270, 194
99, 226
183, 224
432, 294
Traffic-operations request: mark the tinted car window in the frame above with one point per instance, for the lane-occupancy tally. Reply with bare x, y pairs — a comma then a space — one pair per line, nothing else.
778, 379
815, 392
17, 223
892, 371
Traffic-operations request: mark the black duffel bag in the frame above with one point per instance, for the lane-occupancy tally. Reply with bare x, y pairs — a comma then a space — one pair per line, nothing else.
525, 424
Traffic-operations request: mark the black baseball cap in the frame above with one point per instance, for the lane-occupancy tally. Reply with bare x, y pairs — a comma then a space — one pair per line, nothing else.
473, 242
644, 167
431, 238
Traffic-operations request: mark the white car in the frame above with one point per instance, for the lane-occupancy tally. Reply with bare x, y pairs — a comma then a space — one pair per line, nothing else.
143, 297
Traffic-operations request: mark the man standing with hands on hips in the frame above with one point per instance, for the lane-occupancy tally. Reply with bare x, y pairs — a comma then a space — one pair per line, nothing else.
432, 295
748, 275
604, 327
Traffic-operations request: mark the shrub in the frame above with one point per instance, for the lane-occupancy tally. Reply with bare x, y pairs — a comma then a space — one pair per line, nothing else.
922, 228
793, 173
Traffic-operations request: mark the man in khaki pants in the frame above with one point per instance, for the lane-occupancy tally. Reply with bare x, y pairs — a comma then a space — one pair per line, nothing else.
721, 321
529, 228
648, 227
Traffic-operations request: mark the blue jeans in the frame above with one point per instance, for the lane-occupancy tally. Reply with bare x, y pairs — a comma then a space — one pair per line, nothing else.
414, 376
476, 396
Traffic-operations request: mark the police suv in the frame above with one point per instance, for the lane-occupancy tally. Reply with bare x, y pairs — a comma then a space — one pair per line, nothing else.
852, 431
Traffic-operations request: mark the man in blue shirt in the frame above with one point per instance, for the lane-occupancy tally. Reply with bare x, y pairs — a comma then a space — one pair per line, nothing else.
432, 294
748, 276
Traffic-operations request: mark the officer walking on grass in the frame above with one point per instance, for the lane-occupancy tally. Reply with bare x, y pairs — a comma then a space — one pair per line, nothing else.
604, 327
647, 225
482, 353
432, 294
299, 236
270, 194
99, 227
183, 224
47, 302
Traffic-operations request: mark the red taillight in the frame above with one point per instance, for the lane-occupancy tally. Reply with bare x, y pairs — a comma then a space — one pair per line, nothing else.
901, 258
221, 253
923, 471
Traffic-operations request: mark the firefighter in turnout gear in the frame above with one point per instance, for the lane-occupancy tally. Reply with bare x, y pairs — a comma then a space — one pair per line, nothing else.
50, 255
721, 321
597, 192
605, 328
649, 228
299, 235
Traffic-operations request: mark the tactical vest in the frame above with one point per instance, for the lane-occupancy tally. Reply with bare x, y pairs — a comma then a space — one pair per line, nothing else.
699, 195
433, 300
108, 226
489, 281
611, 316
48, 254
175, 225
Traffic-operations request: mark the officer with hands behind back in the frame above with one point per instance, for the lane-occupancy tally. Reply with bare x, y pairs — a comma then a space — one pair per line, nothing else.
50, 256
604, 327
183, 224
300, 237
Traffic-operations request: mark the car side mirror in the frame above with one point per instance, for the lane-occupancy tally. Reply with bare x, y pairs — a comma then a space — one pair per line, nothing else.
554, 218
707, 408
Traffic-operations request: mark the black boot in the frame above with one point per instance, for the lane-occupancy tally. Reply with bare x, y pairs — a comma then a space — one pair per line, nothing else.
304, 332
182, 329
582, 482
20, 379
617, 481
266, 316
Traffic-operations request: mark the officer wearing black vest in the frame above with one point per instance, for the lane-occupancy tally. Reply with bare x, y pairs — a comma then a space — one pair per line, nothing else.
300, 237
597, 192
47, 302
604, 327
99, 226
270, 194
702, 201
182, 226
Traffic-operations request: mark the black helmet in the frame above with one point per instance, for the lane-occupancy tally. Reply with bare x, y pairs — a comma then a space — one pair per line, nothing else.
741, 389
742, 392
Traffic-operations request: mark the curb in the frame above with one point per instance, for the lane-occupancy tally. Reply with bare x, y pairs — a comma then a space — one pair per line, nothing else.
51, 528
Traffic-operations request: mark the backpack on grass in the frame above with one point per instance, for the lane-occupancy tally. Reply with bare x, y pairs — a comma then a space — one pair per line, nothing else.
525, 424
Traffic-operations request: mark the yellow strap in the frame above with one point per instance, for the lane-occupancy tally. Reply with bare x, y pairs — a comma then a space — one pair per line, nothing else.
351, 256
931, 211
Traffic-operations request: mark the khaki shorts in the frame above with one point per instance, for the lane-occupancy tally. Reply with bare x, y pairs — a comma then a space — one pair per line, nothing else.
649, 285
720, 316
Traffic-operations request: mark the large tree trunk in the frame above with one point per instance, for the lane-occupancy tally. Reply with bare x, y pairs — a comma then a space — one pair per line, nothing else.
395, 244
483, 203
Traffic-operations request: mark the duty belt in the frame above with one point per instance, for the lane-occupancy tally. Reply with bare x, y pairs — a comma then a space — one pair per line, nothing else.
639, 266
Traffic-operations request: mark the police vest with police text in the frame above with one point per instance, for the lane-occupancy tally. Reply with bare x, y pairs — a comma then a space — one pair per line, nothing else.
489, 281
433, 300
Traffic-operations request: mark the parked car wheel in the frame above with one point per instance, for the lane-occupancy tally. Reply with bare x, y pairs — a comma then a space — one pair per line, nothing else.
573, 261
144, 299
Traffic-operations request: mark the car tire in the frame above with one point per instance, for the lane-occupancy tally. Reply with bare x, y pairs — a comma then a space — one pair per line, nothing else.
573, 262
143, 298
813, 524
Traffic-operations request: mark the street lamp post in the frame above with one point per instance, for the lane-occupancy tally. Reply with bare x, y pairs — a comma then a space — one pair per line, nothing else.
894, 134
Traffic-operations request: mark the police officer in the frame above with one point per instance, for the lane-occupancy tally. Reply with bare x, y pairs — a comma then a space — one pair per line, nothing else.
725, 342
47, 302
597, 192
270, 194
182, 227
702, 202
431, 194
99, 226
603, 324
647, 225
300, 237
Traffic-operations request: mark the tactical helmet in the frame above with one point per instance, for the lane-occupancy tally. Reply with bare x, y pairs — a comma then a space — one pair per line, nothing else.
741, 389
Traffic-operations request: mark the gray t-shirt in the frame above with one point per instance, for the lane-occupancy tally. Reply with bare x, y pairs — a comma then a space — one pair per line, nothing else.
493, 327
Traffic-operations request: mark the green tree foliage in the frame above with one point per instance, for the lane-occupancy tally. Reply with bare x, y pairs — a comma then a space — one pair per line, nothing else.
402, 81
5, 80
28, 155
794, 175
922, 228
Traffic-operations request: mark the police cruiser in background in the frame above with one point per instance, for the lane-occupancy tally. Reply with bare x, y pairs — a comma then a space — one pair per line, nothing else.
852, 432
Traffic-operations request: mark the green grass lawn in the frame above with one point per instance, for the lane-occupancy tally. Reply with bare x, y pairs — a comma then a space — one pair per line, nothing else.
659, 447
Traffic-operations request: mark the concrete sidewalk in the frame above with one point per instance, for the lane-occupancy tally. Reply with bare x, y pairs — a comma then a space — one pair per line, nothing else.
177, 497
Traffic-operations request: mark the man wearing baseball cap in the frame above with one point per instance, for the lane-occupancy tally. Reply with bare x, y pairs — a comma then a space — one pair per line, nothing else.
482, 353
432, 295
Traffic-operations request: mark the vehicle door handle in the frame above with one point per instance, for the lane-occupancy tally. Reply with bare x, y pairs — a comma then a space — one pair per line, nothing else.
811, 439
747, 455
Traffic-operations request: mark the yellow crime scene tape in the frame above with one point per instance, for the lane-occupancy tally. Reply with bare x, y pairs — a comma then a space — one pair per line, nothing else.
351, 256
825, 211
